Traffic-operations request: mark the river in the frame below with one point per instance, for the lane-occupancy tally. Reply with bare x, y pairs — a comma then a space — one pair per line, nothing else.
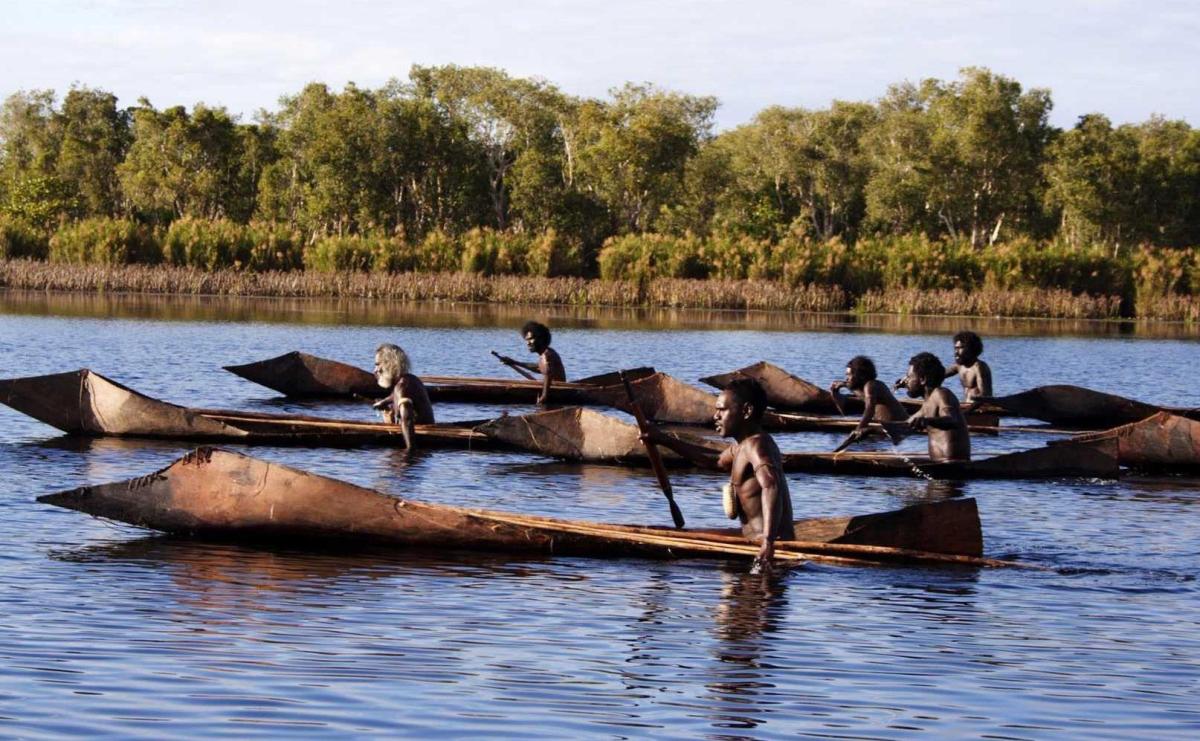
108, 630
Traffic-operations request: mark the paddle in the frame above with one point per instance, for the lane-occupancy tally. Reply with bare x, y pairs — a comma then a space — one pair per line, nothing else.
512, 364
652, 453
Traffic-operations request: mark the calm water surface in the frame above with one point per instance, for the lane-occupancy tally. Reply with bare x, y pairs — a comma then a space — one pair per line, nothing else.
108, 630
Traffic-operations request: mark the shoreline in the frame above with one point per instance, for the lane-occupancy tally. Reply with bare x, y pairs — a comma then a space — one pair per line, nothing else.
156, 282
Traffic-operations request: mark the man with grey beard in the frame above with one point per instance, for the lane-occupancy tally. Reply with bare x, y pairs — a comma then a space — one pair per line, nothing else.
408, 403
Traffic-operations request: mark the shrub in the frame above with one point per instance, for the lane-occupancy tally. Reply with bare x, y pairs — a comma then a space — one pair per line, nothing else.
332, 254
19, 238
274, 247
104, 241
207, 244
438, 252
489, 252
551, 255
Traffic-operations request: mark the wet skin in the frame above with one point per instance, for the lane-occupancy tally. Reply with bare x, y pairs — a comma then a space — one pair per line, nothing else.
756, 473
941, 417
408, 404
549, 364
880, 405
975, 374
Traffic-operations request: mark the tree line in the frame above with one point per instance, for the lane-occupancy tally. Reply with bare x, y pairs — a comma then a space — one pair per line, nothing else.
973, 161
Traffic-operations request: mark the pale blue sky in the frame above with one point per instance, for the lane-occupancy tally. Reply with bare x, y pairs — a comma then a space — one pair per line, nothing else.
1124, 58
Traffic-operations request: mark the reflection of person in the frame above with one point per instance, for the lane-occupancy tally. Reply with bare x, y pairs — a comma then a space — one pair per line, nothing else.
940, 416
550, 365
880, 405
408, 403
757, 487
975, 374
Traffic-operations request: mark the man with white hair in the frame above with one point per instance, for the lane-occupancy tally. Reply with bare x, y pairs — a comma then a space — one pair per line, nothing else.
408, 404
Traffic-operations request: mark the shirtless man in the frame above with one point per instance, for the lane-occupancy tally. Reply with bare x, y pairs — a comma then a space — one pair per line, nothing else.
880, 405
975, 374
757, 493
408, 403
940, 416
549, 364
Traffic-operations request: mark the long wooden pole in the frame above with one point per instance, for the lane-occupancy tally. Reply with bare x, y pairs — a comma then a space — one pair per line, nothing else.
652, 453
514, 366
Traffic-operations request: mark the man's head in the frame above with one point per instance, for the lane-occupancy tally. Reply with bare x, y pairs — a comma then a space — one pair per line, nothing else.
859, 372
740, 408
537, 336
925, 373
967, 348
390, 363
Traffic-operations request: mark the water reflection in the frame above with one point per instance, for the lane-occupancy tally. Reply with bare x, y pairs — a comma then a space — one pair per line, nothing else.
374, 312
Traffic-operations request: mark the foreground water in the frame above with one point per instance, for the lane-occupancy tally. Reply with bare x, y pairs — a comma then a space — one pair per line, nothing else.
107, 630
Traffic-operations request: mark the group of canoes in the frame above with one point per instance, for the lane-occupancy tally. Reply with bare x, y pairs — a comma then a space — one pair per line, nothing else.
222, 493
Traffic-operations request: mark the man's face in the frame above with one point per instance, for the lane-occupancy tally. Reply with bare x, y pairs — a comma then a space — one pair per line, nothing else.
730, 414
915, 386
962, 355
531, 341
383, 377
854, 382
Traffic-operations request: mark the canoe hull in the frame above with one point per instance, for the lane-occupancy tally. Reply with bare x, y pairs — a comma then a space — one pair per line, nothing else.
301, 375
222, 494
1162, 441
1072, 406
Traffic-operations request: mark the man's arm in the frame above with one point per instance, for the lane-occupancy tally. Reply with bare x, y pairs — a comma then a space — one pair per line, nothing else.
405, 412
767, 474
952, 370
699, 455
545, 394
985, 378
947, 415
869, 411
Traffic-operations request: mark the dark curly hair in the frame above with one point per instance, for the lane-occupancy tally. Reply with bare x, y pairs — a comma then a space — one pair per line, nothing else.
538, 330
749, 391
926, 365
861, 365
970, 341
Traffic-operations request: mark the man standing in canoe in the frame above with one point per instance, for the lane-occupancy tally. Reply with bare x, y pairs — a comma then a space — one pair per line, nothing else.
549, 364
975, 374
757, 492
880, 405
408, 403
940, 415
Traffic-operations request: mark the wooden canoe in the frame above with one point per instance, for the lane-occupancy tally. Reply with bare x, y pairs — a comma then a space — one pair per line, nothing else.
1163, 441
1074, 406
587, 435
216, 493
83, 402
300, 375
789, 393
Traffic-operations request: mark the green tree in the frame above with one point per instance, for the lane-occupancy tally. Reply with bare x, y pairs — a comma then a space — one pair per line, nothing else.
631, 153
1092, 173
95, 136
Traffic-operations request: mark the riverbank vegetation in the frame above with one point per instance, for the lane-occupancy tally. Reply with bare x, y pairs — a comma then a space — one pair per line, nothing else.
943, 196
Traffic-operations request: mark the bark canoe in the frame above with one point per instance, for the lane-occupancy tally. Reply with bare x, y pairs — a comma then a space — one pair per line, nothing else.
83, 402
586, 435
1162, 441
1075, 406
303, 376
226, 495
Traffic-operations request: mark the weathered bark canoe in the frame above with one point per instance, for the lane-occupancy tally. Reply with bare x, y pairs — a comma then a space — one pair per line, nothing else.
300, 375
586, 435
222, 494
86, 403
1162, 441
1074, 406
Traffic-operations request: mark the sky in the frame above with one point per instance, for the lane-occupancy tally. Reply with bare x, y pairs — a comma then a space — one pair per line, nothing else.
1124, 58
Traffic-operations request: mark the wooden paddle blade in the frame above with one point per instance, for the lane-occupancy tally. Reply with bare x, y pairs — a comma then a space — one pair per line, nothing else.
845, 443
660, 471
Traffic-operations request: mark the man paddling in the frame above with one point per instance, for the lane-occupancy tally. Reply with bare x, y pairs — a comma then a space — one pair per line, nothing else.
975, 374
757, 492
408, 403
549, 364
878, 402
940, 415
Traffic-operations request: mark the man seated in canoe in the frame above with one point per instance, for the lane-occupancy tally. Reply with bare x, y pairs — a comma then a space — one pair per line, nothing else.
878, 402
975, 374
408, 403
757, 492
549, 364
940, 415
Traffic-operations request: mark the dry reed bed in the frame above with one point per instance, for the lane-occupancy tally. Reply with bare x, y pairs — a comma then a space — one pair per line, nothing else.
664, 292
